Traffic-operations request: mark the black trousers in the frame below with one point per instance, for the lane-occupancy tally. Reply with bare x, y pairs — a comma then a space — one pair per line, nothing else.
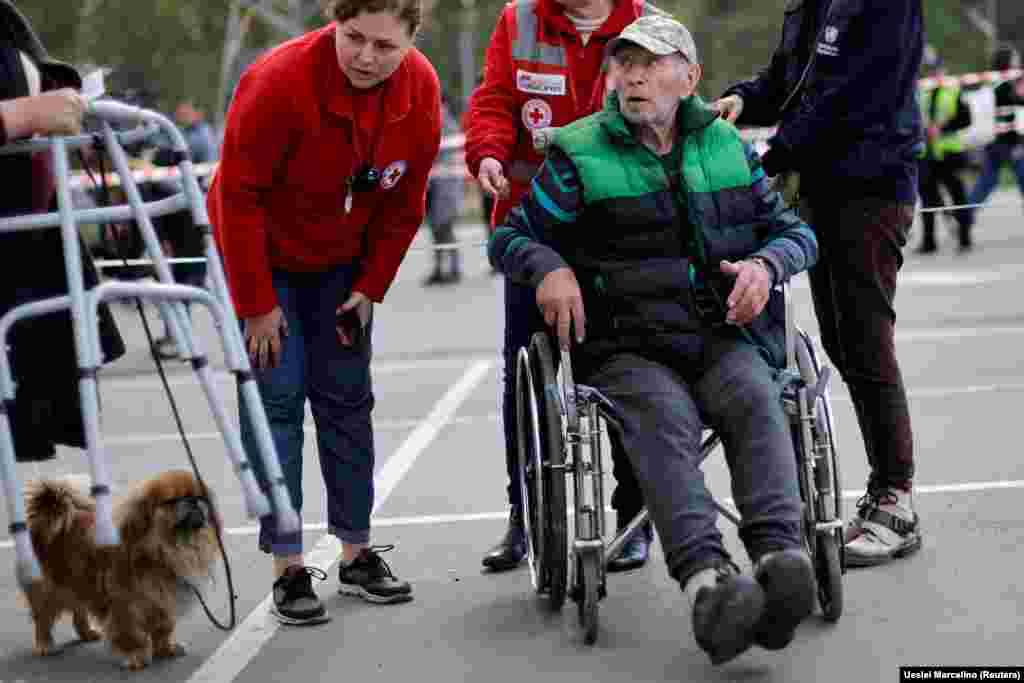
853, 285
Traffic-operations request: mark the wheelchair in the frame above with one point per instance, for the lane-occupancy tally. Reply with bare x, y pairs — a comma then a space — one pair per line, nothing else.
560, 426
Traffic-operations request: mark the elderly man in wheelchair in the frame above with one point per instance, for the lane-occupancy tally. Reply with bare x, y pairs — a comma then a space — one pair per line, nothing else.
654, 241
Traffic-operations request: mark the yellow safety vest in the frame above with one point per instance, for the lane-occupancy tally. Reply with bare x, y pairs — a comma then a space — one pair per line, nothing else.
947, 100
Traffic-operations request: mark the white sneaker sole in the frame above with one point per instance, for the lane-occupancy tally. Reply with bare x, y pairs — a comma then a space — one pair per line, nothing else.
360, 592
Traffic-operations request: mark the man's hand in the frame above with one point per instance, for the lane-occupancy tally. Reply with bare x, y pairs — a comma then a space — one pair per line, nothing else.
750, 291
561, 303
730, 107
362, 305
263, 335
492, 178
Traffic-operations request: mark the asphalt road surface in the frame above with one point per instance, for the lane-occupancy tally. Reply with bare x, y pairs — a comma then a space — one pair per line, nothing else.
440, 500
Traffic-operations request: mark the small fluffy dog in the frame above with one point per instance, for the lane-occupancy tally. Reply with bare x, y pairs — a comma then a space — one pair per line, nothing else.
133, 592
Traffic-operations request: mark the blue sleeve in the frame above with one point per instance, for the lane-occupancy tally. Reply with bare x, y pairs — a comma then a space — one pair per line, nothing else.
525, 247
788, 244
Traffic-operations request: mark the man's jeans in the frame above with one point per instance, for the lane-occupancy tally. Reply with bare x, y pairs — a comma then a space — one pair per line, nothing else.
336, 380
661, 412
853, 287
522, 320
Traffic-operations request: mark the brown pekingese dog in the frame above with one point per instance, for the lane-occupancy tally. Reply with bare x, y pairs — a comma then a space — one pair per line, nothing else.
132, 592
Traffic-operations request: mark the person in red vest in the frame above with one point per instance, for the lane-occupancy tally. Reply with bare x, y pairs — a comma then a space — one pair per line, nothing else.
320, 191
544, 69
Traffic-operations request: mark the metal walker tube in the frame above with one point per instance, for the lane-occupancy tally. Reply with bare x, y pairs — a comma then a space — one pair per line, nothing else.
83, 306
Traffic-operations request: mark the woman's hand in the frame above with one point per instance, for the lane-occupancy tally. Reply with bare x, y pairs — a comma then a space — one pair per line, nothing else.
492, 178
56, 112
263, 338
362, 306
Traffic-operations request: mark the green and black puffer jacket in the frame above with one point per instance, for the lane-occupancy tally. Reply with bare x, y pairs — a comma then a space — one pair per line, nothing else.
646, 246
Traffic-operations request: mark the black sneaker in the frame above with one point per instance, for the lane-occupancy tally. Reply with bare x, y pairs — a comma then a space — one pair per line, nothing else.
295, 601
725, 616
370, 577
787, 577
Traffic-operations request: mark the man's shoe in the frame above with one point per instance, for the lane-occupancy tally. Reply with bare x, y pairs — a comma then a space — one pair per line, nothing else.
511, 550
294, 600
435, 278
885, 528
726, 614
790, 589
635, 551
927, 248
370, 578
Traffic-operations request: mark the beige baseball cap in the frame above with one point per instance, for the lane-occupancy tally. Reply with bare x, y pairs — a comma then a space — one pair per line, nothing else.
659, 34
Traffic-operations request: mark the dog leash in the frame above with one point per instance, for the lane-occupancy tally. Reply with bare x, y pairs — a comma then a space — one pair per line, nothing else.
215, 517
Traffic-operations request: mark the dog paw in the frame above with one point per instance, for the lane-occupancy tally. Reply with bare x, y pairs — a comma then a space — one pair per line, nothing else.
89, 635
135, 662
170, 650
44, 649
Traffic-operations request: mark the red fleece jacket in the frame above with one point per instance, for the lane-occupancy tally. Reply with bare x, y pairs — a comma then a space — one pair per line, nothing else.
296, 131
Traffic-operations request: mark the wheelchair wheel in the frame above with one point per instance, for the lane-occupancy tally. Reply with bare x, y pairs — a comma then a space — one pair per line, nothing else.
829, 572
588, 577
531, 472
556, 541
826, 546
810, 369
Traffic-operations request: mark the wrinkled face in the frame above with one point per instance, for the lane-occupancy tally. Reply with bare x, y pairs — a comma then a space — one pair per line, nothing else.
370, 47
650, 86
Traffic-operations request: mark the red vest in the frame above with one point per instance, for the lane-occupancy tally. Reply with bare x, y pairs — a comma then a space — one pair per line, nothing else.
539, 74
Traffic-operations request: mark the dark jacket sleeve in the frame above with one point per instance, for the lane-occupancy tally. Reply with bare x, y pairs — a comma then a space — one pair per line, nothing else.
525, 246
787, 243
848, 92
763, 94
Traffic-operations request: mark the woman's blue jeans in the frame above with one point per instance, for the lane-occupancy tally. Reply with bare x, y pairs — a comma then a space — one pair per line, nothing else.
336, 380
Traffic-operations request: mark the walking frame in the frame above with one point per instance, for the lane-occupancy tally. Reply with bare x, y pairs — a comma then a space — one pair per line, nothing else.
168, 296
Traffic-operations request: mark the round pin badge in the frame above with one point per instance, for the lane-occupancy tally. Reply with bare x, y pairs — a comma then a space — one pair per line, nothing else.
536, 114
391, 175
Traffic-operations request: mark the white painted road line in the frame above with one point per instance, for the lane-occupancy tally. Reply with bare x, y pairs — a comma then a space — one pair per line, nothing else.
430, 520
147, 381
228, 661
400, 424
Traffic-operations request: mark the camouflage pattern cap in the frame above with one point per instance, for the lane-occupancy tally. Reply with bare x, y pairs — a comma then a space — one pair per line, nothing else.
659, 34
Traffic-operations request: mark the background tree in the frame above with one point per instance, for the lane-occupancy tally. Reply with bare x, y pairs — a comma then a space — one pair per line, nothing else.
166, 50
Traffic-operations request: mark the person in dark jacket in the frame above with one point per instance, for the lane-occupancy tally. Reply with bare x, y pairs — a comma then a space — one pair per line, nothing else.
653, 240
945, 115
842, 88
1007, 148
39, 95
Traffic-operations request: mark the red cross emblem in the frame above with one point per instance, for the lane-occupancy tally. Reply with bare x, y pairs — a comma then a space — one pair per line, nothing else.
536, 114
392, 174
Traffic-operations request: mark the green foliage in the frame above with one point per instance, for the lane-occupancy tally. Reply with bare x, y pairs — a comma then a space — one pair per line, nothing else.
174, 47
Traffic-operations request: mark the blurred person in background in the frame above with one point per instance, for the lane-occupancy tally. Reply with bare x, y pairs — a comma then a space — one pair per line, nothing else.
178, 234
445, 192
1007, 148
945, 115
545, 68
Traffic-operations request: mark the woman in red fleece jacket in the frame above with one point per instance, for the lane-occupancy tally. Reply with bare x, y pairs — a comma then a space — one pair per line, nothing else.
328, 145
